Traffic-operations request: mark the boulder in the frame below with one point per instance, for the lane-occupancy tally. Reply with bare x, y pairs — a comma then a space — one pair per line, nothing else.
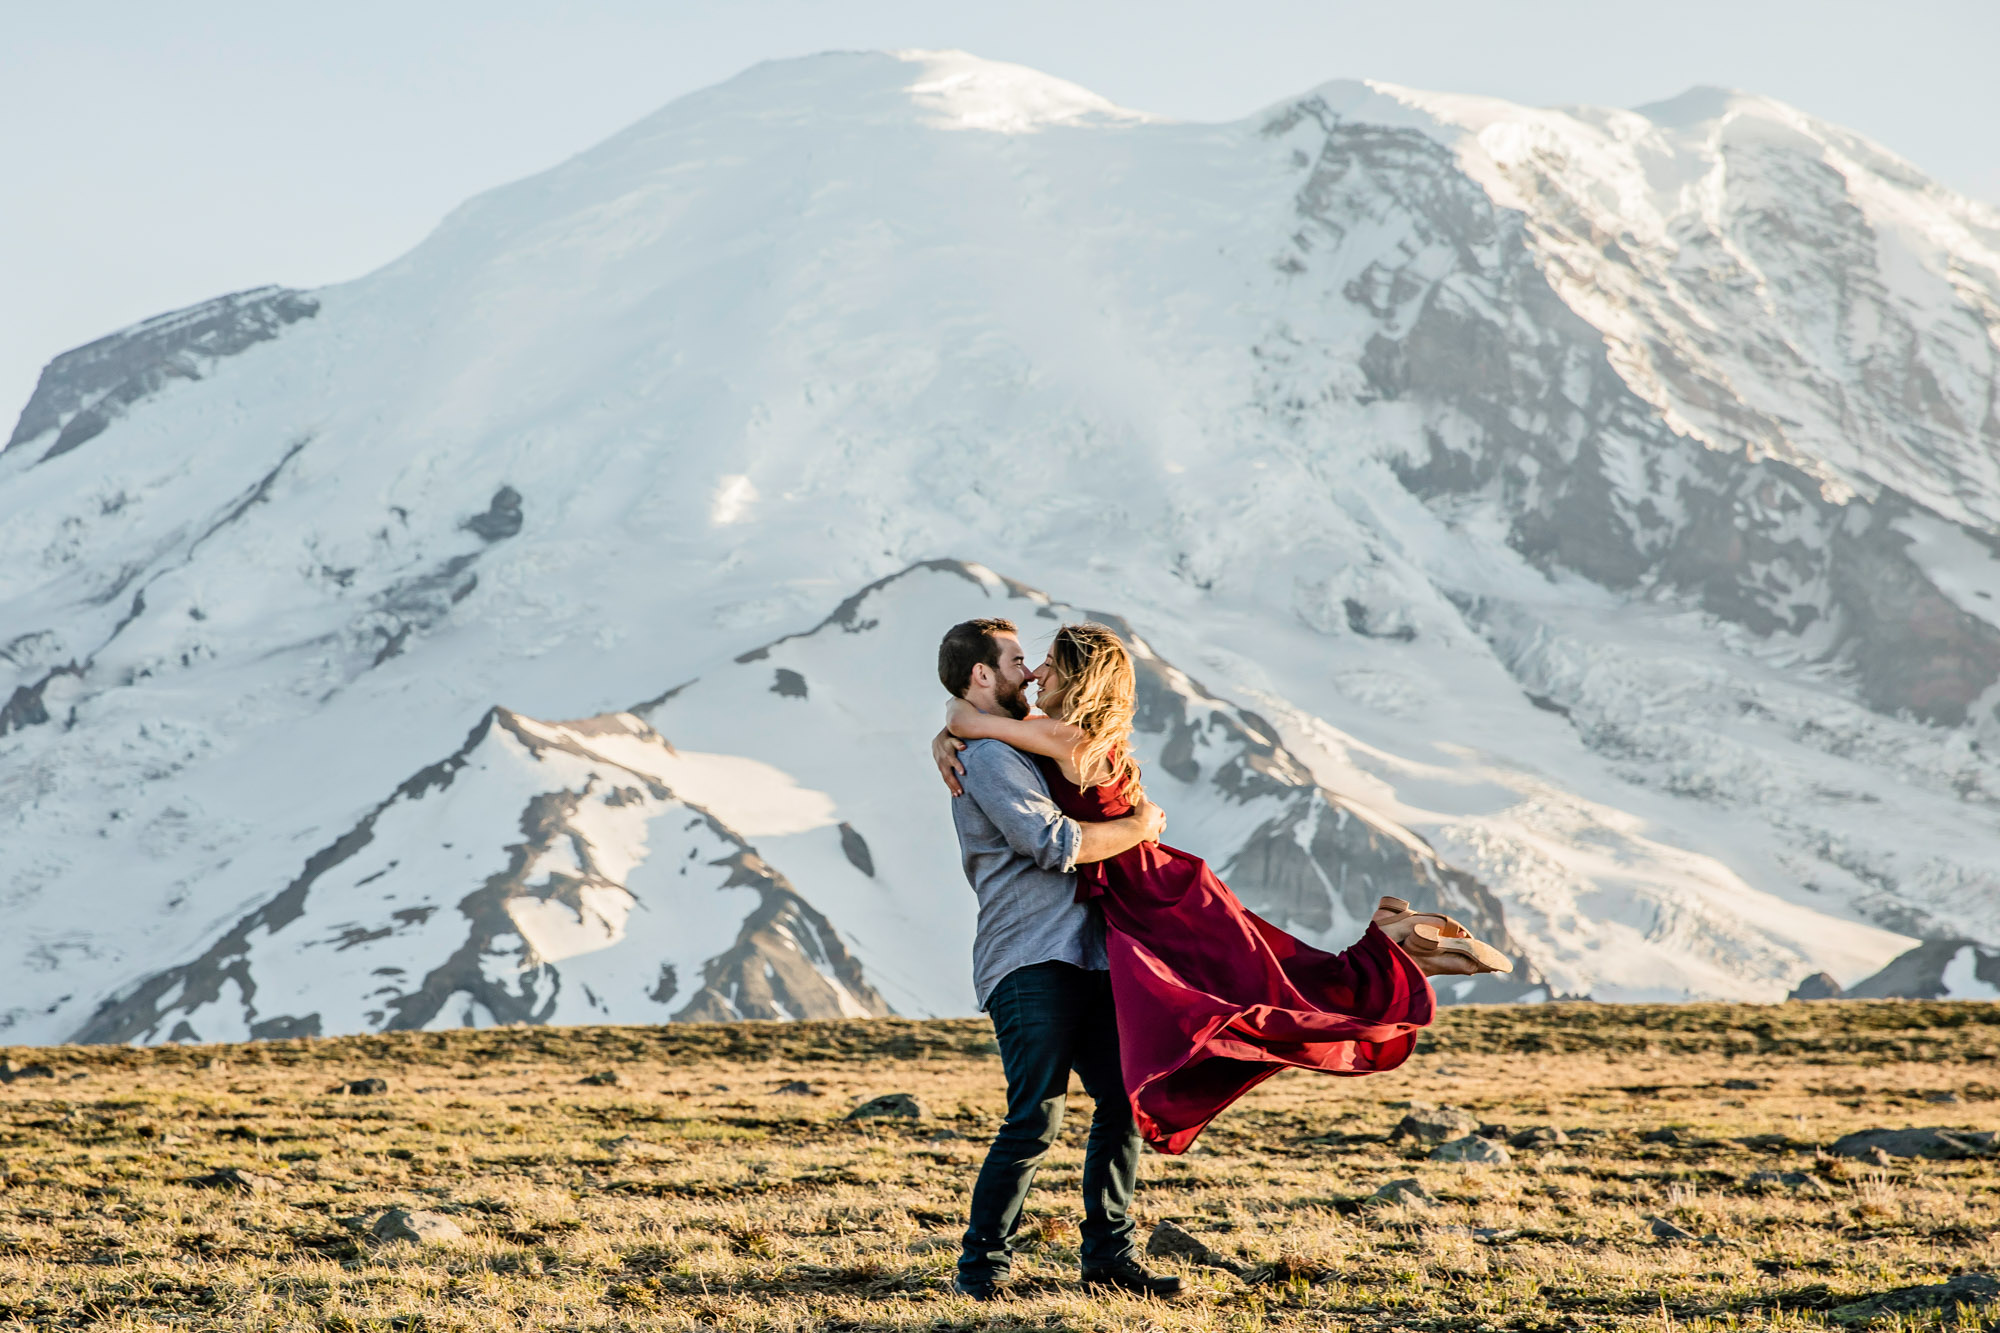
1936, 1143
1435, 1125
1471, 1148
1170, 1241
1978, 1290
889, 1106
1409, 1193
1670, 1137
361, 1087
1541, 1136
236, 1179
417, 1227
1818, 986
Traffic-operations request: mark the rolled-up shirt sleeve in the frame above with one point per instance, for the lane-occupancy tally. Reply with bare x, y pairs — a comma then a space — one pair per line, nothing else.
1006, 786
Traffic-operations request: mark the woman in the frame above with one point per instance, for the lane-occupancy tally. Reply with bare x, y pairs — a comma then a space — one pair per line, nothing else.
1211, 999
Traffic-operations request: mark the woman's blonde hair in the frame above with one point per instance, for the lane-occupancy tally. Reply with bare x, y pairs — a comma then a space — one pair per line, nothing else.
1099, 697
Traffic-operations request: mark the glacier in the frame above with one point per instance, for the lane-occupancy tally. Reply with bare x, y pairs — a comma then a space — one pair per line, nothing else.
1584, 518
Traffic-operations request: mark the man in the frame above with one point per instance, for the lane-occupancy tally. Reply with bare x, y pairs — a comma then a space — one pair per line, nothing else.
1038, 968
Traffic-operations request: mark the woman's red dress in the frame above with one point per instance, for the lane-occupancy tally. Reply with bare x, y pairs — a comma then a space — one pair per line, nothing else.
1212, 999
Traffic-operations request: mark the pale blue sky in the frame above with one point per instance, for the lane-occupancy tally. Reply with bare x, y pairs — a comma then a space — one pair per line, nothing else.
154, 155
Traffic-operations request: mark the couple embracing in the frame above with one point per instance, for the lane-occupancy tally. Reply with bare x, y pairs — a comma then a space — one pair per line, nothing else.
1101, 950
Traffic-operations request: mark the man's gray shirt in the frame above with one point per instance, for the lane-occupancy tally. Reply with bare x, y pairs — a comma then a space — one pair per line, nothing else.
1020, 858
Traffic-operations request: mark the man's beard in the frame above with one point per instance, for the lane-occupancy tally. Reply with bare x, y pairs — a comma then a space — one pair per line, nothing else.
1013, 700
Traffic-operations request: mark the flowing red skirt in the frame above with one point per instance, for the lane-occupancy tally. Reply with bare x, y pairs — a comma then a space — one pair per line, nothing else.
1212, 999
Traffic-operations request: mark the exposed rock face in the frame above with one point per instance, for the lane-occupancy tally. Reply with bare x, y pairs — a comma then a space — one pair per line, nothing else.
1818, 986
544, 935
787, 962
1590, 375
1951, 969
1318, 864
1524, 409
502, 518
84, 391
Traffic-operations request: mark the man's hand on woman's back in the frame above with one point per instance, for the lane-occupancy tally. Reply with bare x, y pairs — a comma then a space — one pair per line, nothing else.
944, 752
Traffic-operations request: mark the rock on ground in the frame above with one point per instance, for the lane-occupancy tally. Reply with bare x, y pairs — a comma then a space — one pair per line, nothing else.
418, 1227
1471, 1148
361, 1087
234, 1178
1541, 1136
889, 1106
1932, 1141
1435, 1124
1407, 1192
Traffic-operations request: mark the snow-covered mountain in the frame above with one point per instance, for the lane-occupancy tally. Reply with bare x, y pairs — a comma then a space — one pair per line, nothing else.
1586, 517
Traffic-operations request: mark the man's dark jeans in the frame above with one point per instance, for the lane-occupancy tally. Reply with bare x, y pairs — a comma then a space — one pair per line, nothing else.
1052, 1018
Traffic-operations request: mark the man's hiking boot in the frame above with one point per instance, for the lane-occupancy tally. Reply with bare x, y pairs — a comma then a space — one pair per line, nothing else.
1129, 1275
977, 1289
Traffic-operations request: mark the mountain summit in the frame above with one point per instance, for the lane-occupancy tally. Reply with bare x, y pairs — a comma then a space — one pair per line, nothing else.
1587, 518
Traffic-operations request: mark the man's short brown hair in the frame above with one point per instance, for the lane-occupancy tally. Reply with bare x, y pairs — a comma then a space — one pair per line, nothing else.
966, 645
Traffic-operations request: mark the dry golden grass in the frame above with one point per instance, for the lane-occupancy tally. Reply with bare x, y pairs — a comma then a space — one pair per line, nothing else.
693, 1195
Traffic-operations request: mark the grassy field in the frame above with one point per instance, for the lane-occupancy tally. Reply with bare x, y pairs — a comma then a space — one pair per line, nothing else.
693, 1193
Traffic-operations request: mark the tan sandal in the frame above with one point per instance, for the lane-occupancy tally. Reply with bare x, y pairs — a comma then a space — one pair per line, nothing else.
1395, 919
1442, 955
